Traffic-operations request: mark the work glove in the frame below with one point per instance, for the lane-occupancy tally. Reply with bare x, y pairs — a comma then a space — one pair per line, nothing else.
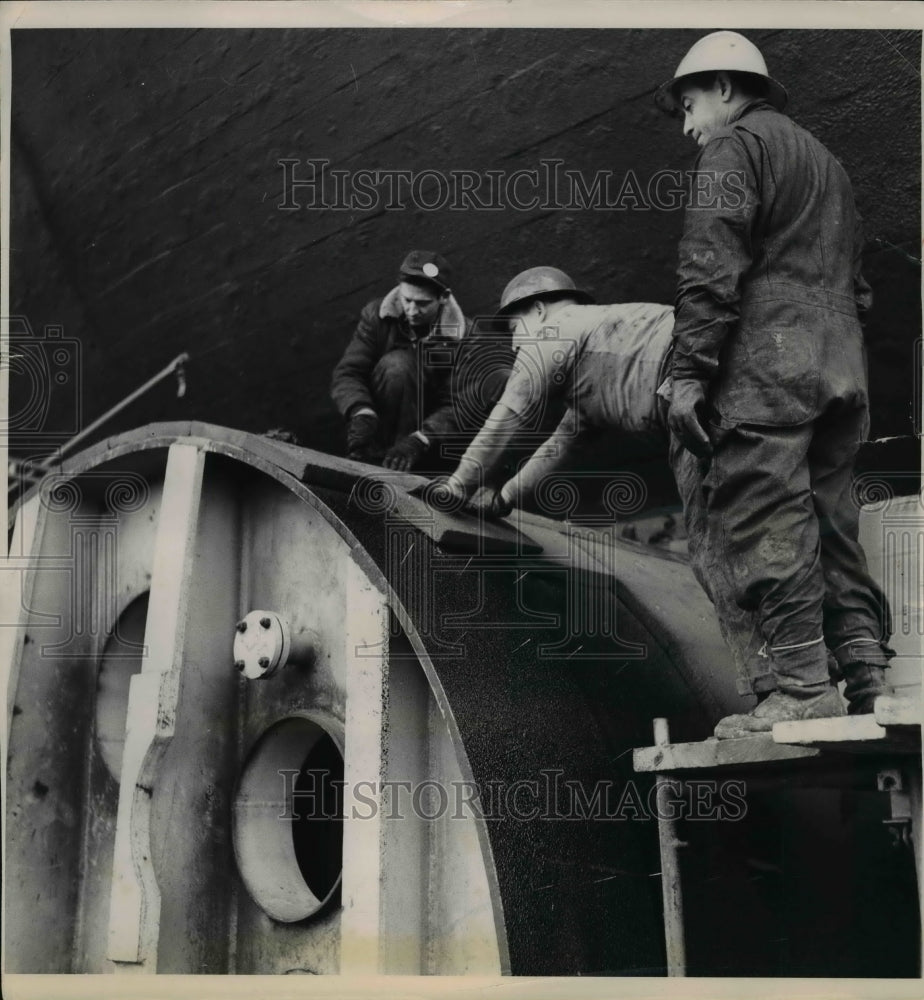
361, 432
683, 418
281, 434
488, 503
405, 454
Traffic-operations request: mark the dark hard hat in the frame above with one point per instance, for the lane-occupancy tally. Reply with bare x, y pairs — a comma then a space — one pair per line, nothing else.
536, 281
428, 266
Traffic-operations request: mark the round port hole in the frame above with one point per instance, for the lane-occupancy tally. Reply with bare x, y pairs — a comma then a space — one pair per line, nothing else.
288, 817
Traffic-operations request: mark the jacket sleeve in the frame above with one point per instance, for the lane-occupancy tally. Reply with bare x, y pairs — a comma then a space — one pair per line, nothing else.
862, 293
548, 457
529, 388
482, 463
350, 386
715, 254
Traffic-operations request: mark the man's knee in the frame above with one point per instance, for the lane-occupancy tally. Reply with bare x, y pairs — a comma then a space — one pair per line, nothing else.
394, 375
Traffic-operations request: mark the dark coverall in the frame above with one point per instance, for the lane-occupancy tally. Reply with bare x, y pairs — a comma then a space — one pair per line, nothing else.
767, 316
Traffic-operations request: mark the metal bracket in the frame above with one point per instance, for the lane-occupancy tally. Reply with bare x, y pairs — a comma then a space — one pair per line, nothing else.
899, 823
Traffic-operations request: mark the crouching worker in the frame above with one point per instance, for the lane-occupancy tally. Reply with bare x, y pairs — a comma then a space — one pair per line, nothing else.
393, 383
768, 386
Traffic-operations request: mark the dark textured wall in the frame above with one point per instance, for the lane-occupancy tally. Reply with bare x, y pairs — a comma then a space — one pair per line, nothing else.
145, 188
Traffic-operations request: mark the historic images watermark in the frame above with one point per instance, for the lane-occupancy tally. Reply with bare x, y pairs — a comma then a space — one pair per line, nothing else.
549, 186
314, 794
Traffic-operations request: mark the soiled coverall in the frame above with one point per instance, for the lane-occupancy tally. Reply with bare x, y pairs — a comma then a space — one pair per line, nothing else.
767, 316
606, 363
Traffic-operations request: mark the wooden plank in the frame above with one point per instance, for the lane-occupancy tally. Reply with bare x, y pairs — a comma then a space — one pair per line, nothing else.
671, 884
463, 532
849, 733
843, 729
898, 711
716, 754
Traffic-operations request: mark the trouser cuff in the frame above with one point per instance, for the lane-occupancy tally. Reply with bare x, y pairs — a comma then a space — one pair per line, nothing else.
801, 666
870, 651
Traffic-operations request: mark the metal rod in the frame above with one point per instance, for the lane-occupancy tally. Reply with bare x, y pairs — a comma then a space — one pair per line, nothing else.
670, 868
57, 455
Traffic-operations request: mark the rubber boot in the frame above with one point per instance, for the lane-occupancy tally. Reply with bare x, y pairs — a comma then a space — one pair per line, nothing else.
815, 701
865, 683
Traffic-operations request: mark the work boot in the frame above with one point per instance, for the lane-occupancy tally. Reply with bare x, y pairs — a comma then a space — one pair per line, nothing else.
793, 705
865, 683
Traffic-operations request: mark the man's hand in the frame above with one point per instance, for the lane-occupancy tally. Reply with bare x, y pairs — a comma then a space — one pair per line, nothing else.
489, 503
683, 419
361, 432
281, 434
405, 454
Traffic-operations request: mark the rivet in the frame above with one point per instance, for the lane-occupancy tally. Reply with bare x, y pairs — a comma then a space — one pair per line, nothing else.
264, 662
265, 622
240, 664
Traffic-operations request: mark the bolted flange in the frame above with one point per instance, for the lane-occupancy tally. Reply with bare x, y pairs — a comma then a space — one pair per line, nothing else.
264, 643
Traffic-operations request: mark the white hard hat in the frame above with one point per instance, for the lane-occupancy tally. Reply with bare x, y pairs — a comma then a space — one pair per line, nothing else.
722, 50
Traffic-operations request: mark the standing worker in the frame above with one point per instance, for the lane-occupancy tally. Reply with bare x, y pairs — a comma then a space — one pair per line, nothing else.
393, 384
768, 390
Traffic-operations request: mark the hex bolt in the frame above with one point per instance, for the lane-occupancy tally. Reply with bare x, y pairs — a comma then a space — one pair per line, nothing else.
265, 622
264, 662
240, 664
241, 626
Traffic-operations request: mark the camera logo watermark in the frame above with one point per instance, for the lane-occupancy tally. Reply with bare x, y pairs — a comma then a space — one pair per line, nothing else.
45, 372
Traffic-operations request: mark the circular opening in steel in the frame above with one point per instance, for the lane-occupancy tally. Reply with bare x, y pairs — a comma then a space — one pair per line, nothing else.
288, 817
120, 661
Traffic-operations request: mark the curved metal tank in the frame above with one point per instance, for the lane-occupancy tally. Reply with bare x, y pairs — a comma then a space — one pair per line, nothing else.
465, 697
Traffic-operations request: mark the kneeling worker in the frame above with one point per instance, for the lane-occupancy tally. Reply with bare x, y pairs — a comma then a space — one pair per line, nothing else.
393, 383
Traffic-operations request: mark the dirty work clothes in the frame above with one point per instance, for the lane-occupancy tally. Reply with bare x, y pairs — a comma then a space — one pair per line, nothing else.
769, 282
740, 629
769, 293
603, 362
790, 493
404, 378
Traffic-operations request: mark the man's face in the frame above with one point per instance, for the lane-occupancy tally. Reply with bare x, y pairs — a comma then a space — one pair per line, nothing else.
420, 304
521, 323
704, 112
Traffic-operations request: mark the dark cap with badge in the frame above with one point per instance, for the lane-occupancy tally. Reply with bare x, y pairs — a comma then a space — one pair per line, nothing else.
428, 267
